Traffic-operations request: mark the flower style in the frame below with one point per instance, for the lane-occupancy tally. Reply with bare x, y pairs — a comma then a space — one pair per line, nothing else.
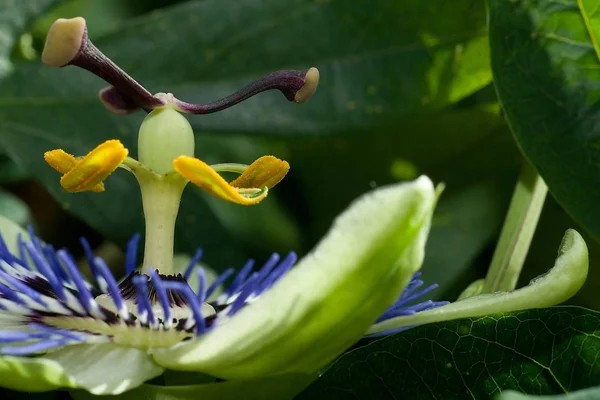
166, 161
166, 140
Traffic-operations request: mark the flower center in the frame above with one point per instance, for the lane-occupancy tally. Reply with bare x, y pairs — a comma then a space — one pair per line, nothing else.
45, 303
138, 327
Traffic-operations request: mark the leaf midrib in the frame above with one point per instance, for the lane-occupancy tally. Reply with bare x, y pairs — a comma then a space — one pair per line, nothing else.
588, 28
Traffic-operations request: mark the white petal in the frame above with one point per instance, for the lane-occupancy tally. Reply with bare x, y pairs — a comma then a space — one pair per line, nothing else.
99, 368
104, 368
329, 299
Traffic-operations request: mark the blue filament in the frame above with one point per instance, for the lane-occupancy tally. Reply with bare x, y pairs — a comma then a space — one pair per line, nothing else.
111, 286
163, 298
195, 260
44, 268
131, 254
85, 296
192, 301
201, 284
218, 282
144, 306
89, 254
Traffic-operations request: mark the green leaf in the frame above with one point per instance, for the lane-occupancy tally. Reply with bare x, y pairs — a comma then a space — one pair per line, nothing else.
475, 141
15, 15
545, 58
584, 394
278, 387
406, 59
10, 171
329, 299
463, 225
542, 351
101, 17
442, 61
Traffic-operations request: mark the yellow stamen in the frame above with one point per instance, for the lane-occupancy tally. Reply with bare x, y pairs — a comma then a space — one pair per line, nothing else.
87, 173
202, 175
64, 162
266, 171
60, 160
95, 167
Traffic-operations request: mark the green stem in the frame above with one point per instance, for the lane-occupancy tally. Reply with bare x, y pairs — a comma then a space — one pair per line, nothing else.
160, 197
517, 232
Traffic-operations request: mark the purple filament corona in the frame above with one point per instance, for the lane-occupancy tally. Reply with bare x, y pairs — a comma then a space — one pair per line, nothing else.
40, 285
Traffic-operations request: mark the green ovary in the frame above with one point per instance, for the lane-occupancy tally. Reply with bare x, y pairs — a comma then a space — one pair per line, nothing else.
164, 135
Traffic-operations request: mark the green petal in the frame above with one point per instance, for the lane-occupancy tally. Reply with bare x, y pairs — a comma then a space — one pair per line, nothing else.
559, 284
32, 374
105, 368
278, 387
99, 368
327, 302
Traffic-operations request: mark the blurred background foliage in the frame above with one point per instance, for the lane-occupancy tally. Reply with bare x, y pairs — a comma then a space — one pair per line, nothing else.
403, 92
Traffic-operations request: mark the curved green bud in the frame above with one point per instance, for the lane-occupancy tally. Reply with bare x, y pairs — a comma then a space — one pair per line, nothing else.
328, 301
164, 135
557, 285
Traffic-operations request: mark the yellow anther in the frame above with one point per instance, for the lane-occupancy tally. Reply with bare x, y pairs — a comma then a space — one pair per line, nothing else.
202, 175
64, 162
266, 171
60, 160
95, 167
87, 173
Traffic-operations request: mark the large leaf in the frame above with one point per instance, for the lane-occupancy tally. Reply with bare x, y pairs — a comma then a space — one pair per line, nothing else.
379, 60
474, 140
542, 351
464, 224
205, 49
545, 58
15, 15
